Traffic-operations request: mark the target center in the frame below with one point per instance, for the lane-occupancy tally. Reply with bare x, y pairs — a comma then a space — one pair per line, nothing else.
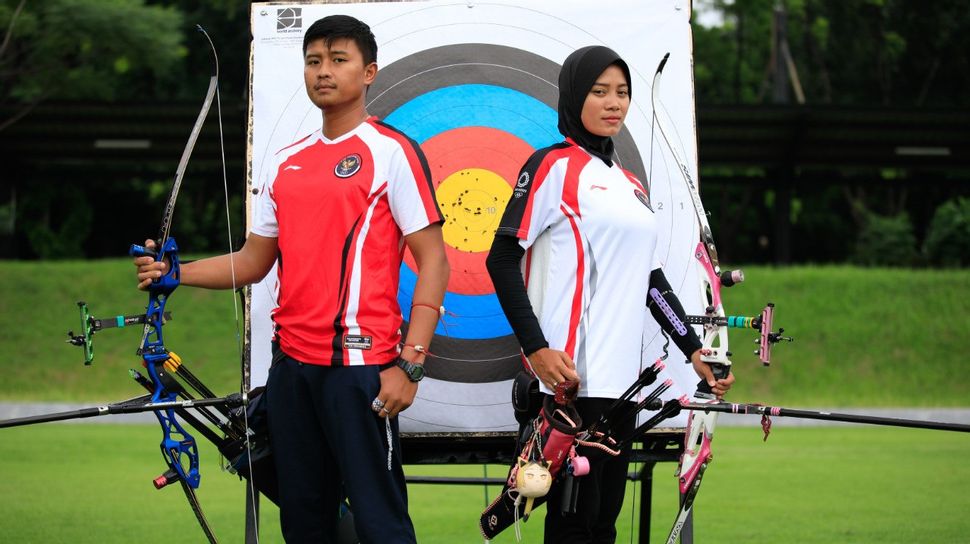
472, 201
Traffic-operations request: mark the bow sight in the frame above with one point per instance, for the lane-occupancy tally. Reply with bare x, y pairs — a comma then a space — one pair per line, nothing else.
91, 325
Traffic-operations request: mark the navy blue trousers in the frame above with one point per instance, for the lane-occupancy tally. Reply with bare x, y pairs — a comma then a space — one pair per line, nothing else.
328, 444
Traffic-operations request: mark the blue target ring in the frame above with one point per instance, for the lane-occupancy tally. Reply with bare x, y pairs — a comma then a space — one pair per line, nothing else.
478, 105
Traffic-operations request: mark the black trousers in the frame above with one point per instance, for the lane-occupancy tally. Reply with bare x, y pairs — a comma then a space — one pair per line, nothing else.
601, 492
328, 444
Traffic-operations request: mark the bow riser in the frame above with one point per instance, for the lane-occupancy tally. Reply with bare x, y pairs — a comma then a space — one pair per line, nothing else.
715, 337
178, 446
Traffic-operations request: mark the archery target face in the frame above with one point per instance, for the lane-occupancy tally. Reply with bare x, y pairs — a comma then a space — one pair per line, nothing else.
477, 125
475, 85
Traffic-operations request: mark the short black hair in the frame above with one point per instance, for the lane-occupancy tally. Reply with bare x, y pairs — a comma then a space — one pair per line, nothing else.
336, 27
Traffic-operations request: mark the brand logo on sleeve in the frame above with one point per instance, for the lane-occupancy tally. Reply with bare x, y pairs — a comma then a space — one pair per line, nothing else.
347, 166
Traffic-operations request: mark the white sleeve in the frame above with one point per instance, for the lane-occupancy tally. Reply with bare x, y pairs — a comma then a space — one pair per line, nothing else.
410, 193
264, 208
535, 203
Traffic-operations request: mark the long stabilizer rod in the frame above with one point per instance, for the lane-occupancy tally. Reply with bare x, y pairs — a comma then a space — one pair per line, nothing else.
757, 409
121, 408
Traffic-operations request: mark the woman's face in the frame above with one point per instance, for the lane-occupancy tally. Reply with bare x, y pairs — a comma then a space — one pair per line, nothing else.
607, 103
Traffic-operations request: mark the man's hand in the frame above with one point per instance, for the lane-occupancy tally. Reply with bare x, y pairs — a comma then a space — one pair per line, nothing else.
718, 387
149, 269
553, 366
397, 392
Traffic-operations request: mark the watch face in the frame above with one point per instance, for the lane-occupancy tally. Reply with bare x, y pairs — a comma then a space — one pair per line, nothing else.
414, 371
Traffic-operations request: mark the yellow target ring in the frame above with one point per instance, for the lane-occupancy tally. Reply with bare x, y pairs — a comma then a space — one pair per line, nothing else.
472, 201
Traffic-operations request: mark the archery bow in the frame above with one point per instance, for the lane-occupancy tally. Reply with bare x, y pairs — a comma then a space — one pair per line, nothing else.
700, 425
179, 448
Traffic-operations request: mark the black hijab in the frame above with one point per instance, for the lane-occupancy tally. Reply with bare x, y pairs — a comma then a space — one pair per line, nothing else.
577, 76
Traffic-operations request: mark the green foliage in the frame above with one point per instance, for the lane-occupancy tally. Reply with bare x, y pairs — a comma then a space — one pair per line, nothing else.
7, 219
821, 220
886, 241
862, 53
87, 49
54, 219
948, 238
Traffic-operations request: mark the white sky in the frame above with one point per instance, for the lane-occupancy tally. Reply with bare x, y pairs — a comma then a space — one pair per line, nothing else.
704, 14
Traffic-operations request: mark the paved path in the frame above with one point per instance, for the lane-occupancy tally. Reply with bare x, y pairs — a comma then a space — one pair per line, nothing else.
949, 415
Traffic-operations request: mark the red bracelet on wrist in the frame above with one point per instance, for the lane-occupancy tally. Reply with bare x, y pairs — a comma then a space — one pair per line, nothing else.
439, 309
418, 348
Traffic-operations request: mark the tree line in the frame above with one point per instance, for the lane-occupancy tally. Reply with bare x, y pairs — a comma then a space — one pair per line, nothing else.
872, 53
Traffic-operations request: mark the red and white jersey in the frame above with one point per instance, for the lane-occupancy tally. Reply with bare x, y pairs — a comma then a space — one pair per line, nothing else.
591, 239
340, 209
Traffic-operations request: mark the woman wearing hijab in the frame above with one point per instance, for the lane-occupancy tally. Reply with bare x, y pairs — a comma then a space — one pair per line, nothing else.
592, 239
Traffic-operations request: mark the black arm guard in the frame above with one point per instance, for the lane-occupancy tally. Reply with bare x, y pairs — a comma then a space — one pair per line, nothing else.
669, 313
503, 267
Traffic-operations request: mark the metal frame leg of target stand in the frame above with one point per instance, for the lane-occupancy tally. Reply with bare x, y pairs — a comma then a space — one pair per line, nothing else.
646, 502
658, 446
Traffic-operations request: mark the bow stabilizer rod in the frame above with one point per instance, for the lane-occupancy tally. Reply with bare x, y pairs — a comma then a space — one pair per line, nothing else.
133, 406
769, 411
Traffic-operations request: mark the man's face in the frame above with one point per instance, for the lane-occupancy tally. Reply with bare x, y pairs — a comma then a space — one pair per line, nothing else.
336, 76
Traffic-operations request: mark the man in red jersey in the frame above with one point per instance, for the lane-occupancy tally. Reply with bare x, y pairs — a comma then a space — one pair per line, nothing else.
335, 217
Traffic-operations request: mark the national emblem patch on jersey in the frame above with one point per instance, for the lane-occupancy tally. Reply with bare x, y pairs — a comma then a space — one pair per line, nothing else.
347, 166
642, 197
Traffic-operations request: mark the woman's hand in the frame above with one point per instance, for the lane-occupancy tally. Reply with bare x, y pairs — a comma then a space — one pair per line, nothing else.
553, 366
718, 387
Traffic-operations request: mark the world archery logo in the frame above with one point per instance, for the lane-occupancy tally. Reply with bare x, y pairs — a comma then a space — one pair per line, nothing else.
289, 20
642, 197
347, 166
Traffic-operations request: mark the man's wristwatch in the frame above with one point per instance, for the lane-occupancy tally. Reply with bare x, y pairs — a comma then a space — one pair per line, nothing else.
415, 371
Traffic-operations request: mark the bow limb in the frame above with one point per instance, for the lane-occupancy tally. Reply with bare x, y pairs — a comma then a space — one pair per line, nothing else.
700, 426
178, 446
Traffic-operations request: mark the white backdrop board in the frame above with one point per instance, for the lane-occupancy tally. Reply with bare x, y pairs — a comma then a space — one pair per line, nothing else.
474, 83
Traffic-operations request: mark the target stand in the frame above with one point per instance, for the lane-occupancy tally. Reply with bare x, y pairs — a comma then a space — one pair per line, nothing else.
661, 445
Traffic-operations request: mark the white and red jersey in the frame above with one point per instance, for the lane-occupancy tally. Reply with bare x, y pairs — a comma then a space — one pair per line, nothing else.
340, 209
591, 239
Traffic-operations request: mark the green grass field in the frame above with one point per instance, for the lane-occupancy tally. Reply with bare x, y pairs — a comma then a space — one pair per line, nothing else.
864, 337
91, 483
